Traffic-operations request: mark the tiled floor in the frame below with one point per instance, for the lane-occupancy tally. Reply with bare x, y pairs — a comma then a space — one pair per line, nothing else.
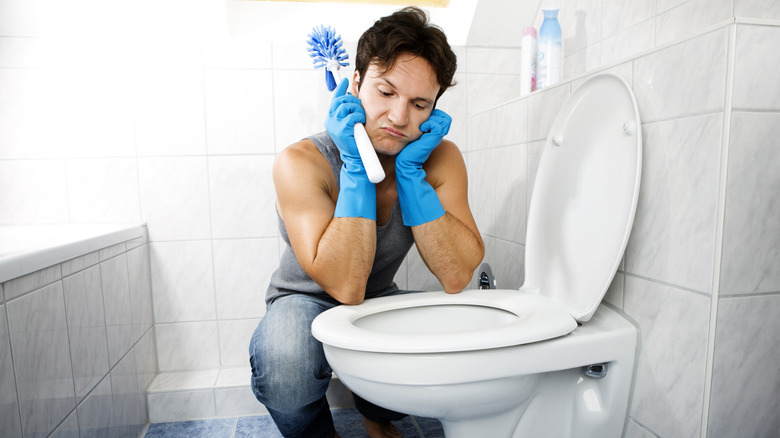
349, 424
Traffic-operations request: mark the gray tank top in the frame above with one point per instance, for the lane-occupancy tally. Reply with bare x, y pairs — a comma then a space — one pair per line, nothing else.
393, 241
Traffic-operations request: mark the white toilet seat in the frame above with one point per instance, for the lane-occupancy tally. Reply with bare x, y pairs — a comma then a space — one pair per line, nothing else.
488, 319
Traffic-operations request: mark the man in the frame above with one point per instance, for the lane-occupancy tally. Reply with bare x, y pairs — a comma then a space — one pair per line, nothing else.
346, 236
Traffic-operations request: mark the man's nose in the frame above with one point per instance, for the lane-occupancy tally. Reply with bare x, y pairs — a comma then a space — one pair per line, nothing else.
399, 114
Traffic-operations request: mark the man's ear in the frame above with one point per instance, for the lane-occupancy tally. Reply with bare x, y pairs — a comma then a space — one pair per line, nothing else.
355, 87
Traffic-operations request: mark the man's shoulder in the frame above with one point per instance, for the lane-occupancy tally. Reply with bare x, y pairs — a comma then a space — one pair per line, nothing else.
300, 159
446, 152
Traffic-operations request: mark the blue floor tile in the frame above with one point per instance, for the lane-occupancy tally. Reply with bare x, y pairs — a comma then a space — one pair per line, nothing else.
256, 427
430, 427
216, 428
349, 424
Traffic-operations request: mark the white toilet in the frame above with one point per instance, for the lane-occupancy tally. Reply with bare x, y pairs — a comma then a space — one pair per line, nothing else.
544, 361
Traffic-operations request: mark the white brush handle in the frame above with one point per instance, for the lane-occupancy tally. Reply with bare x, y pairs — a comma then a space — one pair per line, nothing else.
368, 155
365, 148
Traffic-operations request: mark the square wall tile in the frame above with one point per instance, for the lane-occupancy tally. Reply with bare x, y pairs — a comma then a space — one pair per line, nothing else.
140, 279
39, 338
126, 397
690, 17
453, 102
21, 52
617, 15
30, 113
184, 405
752, 223
663, 92
68, 428
243, 270
87, 329
146, 360
103, 190
766, 9
9, 406
755, 84
238, 402
300, 106
33, 281
187, 346
239, 111
116, 300
627, 42
96, 413
670, 374
674, 231
182, 281
483, 131
237, 52
487, 91
169, 112
234, 337
502, 60
507, 259
96, 112
482, 189
242, 197
174, 196
510, 193
33, 192
746, 339
543, 107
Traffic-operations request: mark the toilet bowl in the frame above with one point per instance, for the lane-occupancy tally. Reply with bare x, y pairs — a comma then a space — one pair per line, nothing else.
544, 360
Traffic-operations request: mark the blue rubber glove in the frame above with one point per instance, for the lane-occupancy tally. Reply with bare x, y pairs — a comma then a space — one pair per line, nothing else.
357, 195
419, 202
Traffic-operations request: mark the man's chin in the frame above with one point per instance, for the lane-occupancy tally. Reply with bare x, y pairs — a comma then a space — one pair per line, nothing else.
389, 148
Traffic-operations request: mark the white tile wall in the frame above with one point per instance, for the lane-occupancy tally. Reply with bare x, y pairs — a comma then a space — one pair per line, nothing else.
242, 202
746, 338
670, 375
174, 196
750, 247
182, 281
674, 232
239, 116
169, 111
242, 270
677, 267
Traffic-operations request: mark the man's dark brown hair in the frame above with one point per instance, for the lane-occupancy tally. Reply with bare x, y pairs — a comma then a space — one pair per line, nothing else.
407, 31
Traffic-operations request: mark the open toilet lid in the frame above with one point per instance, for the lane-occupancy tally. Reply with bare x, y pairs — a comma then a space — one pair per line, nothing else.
585, 195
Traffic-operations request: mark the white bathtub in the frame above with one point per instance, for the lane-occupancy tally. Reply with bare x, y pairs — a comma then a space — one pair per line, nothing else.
28, 248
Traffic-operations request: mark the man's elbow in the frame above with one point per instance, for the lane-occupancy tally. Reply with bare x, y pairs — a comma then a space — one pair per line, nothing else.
456, 283
350, 296
351, 301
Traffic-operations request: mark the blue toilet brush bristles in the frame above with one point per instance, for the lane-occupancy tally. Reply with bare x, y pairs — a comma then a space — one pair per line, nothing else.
326, 51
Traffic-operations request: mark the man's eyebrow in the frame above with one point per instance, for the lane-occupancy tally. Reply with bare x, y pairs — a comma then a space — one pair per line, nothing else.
424, 99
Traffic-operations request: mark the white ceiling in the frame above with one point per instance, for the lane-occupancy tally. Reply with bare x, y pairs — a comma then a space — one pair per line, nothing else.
473, 22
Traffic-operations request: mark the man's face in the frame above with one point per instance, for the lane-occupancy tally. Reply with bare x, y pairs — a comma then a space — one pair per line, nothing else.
396, 102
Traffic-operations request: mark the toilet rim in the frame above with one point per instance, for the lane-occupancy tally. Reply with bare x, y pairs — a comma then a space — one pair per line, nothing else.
538, 319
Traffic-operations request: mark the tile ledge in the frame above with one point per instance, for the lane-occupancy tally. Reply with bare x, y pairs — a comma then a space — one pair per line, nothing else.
220, 378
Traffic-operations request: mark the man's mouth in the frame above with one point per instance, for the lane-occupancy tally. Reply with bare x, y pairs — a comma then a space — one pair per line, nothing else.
394, 132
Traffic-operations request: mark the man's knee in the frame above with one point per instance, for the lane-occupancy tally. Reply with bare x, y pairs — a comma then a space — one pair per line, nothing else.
287, 374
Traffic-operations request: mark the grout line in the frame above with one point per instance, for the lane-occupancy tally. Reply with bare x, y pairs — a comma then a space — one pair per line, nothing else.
721, 216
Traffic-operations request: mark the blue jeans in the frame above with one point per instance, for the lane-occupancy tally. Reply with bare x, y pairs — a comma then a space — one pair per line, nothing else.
290, 373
